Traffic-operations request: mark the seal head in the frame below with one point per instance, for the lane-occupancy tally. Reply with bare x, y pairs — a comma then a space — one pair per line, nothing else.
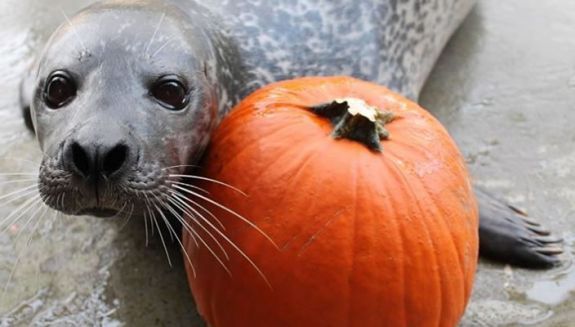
113, 87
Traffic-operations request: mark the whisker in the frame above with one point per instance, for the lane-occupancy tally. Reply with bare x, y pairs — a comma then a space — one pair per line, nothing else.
32, 216
162, 238
184, 221
148, 202
185, 198
18, 259
20, 211
163, 204
84, 49
161, 48
12, 271
195, 235
19, 197
180, 166
191, 186
164, 218
119, 214
131, 210
62, 200
210, 180
35, 228
17, 181
178, 239
147, 51
237, 248
35, 163
18, 191
19, 174
229, 211
146, 227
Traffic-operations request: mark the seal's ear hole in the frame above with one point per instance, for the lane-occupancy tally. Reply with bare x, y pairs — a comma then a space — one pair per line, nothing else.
170, 92
59, 89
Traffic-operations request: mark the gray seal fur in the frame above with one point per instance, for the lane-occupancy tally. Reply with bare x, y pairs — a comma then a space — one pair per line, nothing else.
114, 149
394, 43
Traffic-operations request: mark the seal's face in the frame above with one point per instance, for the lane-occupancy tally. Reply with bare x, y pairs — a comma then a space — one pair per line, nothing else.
123, 102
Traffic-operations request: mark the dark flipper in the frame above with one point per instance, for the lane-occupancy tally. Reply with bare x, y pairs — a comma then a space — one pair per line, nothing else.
506, 234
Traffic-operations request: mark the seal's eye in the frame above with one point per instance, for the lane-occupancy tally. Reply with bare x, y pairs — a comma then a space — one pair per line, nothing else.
170, 92
59, 90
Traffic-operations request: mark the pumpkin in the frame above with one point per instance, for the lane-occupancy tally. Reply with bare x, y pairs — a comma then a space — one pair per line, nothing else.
344, 204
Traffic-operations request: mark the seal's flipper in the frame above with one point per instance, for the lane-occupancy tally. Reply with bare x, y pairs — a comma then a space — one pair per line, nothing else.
26, 96
508, 235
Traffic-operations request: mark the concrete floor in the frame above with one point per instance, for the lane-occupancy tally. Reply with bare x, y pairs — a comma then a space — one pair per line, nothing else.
504, 88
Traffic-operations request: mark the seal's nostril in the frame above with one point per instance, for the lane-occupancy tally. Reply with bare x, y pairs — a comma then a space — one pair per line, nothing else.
114, 159
80, 159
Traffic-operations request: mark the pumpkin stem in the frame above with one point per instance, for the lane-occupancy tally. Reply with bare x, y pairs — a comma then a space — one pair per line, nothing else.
356, 120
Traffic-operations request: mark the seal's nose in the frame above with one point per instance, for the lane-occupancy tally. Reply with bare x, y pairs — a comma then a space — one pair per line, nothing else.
94, 159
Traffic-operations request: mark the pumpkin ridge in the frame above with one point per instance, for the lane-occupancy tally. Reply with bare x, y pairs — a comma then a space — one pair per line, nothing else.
249, 147
439, 273
390, 200
360, 220
269, 166
219, 138
445, 227
350, 288
310, 155
399, 173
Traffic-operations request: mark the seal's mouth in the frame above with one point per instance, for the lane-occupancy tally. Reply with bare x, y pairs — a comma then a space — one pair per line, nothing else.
98, 212
142, 187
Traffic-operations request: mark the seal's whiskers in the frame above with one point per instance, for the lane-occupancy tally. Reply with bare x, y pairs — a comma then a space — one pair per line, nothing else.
18, 174
183, 197
210, 180
148, 209
225, 237
20, 193
193, 216
191, 186
17, 181
20, 211
39, 207
182, 220
28, 242
161, 48
180, 166
84, 48
223, 207
128, 216
147, 51
155, 220
146, 228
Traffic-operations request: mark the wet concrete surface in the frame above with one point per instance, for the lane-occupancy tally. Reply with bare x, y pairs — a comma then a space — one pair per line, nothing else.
504, 87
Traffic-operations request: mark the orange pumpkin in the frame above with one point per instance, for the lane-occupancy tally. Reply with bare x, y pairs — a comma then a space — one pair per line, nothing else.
349, 233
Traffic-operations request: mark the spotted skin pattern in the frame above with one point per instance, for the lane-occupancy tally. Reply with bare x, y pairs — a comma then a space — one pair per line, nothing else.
391, 42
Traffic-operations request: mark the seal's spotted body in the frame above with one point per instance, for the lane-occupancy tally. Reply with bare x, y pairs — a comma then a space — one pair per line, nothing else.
123, 111
394, 43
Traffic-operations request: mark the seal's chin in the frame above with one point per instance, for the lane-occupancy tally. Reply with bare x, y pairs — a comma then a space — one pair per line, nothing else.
98, 212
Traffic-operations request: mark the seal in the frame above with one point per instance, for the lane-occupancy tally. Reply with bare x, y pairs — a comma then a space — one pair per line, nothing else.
125, 95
